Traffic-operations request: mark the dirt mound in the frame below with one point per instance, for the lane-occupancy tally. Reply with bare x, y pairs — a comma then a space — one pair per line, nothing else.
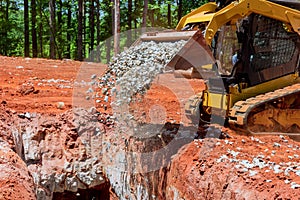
242, 167
15, 179
239, 168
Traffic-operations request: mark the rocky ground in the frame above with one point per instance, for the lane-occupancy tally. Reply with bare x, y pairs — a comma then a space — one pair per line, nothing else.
61, 140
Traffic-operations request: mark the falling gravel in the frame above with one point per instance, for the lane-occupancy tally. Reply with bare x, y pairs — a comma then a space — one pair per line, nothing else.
132, 71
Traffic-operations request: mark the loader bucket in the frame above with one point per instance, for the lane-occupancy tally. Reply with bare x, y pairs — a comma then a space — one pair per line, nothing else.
164, 36
167, 36
194, 54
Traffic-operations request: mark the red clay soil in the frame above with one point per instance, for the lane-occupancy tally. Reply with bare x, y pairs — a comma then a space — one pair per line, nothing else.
28, 84
15, 180
37, 85
212, 169
166, 98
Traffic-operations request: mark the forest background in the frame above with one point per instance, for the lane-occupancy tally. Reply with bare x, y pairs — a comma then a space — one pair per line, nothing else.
80, 29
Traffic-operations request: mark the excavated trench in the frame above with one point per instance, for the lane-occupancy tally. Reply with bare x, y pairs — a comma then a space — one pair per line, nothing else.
100, 193
62, 152
67, 155
140, 164
68, 158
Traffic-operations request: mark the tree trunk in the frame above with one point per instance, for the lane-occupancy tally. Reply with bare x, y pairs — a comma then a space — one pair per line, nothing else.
108, 49
69, 18
108, 41
136, 11
179, 3
98, 59
151, 14
33, 29
84, 29
60, 48
7, 11
145, 12
40, 31
26, 29
169, 16
5, 31
117, 28
112, 17
160, 19
59, 14
129, 36
52, 29
92, 25
80, 28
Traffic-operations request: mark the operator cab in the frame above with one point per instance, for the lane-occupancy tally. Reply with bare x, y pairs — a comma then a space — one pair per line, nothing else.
255, 50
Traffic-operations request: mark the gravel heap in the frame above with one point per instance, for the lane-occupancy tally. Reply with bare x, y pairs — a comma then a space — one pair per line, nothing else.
286, 167
132, 71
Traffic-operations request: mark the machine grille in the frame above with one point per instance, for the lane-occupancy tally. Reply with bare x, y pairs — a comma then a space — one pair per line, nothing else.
273, 45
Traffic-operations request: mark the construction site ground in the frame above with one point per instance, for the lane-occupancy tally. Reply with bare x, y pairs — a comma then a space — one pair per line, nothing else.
47, 87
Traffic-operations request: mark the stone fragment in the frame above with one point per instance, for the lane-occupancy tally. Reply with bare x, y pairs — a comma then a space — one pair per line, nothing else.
59, 183
252, 173
60, 105
277, 169
276, 144
104, 90
71, 184
93, 76
27, 115
247, 164
295, 185
90, 90
286, 181
287, 171
222, 158
106, 98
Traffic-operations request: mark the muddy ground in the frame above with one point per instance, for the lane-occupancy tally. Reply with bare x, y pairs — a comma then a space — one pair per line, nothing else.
41, 94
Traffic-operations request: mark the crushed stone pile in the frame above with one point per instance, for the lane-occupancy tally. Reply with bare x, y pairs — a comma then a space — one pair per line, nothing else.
132, 71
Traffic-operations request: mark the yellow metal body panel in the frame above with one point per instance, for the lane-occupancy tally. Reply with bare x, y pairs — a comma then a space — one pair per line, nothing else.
240, 9
226, 101
209, 66
202, 14
215, 100
264, 88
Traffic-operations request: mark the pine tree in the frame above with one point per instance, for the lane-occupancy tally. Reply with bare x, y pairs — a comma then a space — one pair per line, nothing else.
80, 31
26, 29
33, 29
117, 27
52, 29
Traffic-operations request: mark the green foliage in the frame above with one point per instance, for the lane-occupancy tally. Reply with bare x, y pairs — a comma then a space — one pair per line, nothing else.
11, 29
12, 24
